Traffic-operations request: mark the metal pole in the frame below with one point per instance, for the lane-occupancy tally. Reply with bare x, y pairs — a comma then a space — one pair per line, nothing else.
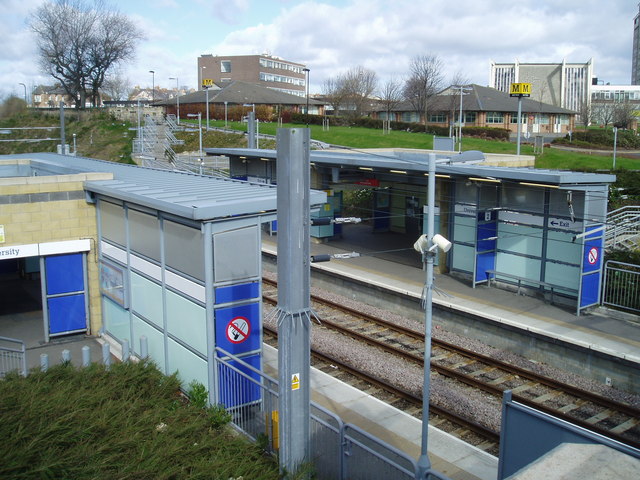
293, 296
519, 122
307, 85
615, 145
424, 464
251, 131
200, 130
153, 85
177, 98
225, 114
207, 95
62, 136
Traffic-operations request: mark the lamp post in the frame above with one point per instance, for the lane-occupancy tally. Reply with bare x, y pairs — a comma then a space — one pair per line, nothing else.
306, 70
199, 115
153, 86
177, 98
462, 92
225, 114
25, 93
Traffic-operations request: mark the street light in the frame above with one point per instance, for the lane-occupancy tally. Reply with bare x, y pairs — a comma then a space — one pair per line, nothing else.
153, 86
306, 70
177, 97
199, 115
25, 93
462, 92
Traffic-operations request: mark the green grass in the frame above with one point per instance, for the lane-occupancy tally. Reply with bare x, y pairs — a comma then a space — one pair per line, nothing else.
128, 422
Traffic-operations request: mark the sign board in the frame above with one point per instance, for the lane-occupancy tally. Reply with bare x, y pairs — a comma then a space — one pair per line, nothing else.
295, 381
564, 224
520, 90
207, 82
592, 256
238, 330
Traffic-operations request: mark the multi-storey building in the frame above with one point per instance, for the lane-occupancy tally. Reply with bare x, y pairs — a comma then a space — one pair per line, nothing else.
565, 85
264, 70
635, 53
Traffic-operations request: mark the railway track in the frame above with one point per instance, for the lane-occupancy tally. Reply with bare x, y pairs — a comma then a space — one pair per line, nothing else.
591, 411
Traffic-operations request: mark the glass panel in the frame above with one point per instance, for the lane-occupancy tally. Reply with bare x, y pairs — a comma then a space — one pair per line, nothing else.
146, 299
155, 341
187, 321
523, 199
112, 222
517, 265
465, 193
561, 247
188, 365
116, 320
519, 239
236, 254
464, 229
463, 258
184, 249
562, 275
144, 232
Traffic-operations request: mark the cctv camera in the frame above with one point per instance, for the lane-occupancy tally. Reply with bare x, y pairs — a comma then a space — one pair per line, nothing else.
441, 242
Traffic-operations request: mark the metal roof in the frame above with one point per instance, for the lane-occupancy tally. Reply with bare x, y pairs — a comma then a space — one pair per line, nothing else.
464, 165
187, 195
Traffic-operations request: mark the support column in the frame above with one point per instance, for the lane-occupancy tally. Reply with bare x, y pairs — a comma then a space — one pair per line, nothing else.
293, 296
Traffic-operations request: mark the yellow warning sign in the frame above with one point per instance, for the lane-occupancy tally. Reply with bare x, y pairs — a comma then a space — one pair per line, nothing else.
295, 381
520, 90
207, 82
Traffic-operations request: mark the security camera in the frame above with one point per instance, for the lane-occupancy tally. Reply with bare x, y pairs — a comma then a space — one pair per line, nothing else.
438, 241
441, 242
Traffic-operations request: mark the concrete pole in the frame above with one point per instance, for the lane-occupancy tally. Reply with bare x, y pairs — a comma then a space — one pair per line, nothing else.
424, 464
251, 130
293, 296
207, 101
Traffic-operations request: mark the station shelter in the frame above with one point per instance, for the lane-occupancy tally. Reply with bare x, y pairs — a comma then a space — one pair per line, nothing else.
517, 227
133, 252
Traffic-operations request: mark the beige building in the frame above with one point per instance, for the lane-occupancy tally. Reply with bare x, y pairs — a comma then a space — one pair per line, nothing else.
264, 70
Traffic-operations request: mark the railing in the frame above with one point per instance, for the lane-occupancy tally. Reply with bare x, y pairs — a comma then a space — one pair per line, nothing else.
623, 227
621, 286
339, 450
12, 356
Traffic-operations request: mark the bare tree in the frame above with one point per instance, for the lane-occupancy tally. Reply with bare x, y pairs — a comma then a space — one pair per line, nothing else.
80, 41
117, 86
359, 85
603, 113
425, 81
624, 114
334, 94
390, 97
585, 112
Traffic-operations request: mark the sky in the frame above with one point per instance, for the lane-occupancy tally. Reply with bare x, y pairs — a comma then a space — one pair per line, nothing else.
333, 36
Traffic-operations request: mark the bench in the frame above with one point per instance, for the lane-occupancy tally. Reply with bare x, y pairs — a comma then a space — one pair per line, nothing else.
492, 274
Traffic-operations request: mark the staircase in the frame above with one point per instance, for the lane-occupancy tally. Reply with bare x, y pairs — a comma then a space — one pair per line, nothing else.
623, 228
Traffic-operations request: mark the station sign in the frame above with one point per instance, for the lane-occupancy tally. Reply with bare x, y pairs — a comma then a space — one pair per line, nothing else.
207, 82
564, 224
520, 90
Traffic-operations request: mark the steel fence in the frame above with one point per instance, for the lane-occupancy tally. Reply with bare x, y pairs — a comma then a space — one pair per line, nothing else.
621, 286
12, 356
339, 450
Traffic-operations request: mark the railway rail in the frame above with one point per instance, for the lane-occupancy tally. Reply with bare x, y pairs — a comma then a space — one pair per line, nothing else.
594, 412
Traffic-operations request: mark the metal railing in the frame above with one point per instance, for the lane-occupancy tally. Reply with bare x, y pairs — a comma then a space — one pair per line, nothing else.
623, 227
12, 356
340, 451
621, 286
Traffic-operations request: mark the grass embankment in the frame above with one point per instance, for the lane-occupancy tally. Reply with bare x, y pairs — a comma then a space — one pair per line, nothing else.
127, 423
358, 137
98, 135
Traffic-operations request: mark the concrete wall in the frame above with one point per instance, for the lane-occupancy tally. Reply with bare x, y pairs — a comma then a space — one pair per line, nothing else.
50, 209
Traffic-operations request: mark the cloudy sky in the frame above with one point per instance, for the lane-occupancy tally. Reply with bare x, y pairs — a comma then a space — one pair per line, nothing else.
330, 36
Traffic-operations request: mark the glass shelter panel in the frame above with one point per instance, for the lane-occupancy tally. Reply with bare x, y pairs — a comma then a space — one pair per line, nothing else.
116, 320
144, 232
184, 249
523, 199
155, 340
187, 321
112, 222
146, 299
189, 366
235, 254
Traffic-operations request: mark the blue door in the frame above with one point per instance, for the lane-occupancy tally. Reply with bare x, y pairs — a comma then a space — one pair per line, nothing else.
66, 292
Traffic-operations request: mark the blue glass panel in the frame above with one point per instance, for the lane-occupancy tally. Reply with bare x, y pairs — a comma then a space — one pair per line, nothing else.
64, 274
484, 262
590, 289
234, 293
67, 314
116, 320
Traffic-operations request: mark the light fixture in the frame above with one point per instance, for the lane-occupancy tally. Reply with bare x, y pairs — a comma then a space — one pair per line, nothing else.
485, 179
398, 171
368, 169
439, 175
539, 185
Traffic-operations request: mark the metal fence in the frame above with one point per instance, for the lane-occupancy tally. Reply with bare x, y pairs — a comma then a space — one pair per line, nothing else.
340, 450
12, 356
621, 286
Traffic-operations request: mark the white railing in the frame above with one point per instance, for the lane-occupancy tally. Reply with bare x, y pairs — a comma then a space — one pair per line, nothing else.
12, 356
623, 228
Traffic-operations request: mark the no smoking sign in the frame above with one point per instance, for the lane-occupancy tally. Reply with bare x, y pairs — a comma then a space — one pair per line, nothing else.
238, 330
592, 256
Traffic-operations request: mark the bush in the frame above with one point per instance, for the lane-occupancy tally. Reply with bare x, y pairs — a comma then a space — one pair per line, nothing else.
600, 138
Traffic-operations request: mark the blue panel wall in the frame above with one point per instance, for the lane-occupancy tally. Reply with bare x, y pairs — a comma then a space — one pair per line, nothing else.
238, 328
236, 389
66, 314
64, 274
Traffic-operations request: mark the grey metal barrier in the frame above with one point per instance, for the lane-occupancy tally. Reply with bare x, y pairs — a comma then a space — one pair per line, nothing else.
340, 450
12, 356
621, 286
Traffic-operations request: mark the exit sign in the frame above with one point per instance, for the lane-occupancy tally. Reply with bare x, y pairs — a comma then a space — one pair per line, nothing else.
520, 90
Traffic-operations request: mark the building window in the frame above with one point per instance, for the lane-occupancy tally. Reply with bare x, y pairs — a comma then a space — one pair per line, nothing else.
437, 118
495, 117
514, 118
469, 117
542, 119
225, 66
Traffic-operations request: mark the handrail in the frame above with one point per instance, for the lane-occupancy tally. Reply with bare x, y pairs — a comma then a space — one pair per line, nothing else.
623, 227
